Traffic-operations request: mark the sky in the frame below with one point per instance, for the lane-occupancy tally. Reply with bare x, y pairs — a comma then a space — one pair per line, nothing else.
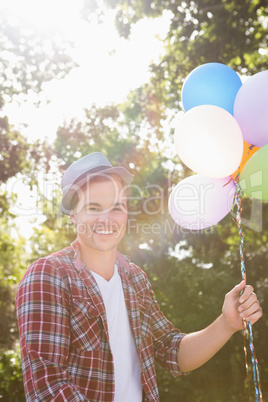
109, 67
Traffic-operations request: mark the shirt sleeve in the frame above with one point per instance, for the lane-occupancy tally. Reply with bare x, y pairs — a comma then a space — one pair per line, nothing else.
42, 303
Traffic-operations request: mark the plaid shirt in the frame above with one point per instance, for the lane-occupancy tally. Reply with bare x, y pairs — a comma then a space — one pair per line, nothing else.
64, 334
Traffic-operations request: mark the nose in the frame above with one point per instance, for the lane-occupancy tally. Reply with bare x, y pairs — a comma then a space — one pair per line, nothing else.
105, 217
104, 221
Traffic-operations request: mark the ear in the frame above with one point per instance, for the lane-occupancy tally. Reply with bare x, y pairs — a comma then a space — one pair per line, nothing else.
73, 217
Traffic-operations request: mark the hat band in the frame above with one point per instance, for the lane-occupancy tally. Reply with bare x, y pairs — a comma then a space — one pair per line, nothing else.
88, 172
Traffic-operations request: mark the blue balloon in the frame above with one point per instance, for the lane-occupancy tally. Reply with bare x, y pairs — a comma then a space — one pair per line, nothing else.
211, 84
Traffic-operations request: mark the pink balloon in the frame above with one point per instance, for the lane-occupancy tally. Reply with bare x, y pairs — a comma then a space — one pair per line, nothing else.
251, 109
199, 202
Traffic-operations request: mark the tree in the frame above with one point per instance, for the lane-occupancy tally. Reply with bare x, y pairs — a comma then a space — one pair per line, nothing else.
229, 32
12, 266
11, 382
29, 58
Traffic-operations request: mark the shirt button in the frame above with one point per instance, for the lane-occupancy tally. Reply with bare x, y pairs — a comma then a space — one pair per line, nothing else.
108, 388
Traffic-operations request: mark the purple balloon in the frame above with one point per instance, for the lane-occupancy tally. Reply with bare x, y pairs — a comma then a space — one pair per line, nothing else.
199, 202
251, 109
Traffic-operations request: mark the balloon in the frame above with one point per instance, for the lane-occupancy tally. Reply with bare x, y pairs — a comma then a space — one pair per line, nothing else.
248, 151
209, 141
211, 84
251, 109
198, 201
254, 177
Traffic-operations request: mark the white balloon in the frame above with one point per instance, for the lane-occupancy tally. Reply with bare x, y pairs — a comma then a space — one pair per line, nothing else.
209, 141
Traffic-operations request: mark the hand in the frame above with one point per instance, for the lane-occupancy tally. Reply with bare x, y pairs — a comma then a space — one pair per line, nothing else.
236, 307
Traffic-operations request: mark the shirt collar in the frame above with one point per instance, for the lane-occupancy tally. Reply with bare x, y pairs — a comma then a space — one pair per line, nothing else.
76, 259
121, 260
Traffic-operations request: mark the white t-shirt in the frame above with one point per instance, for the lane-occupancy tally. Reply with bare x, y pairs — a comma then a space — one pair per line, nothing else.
126, 361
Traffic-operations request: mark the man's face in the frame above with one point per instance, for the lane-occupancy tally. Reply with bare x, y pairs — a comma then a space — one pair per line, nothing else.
101, 215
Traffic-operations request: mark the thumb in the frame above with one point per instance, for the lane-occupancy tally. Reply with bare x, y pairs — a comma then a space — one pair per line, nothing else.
236, 291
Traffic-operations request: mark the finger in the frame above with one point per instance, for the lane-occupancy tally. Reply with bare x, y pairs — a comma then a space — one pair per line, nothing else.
255, 307
246, 304
255, 316
248, 290
238, 289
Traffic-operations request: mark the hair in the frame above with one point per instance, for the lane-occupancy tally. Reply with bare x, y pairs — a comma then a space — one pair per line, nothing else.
101, 178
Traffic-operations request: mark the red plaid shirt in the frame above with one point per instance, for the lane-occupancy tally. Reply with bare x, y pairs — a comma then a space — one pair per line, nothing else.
64, 334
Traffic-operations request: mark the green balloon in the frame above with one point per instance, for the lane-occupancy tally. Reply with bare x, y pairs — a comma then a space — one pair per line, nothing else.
254, 176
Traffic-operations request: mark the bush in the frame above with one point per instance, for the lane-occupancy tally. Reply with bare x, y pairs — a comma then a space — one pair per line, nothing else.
11, 380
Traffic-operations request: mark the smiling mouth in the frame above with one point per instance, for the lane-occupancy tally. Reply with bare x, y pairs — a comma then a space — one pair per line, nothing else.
104, 232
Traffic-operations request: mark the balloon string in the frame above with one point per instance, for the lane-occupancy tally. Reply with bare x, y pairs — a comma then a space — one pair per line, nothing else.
247, 325
246, 356
255, 365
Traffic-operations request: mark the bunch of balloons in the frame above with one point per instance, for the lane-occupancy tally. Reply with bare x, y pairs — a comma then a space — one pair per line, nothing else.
223, 138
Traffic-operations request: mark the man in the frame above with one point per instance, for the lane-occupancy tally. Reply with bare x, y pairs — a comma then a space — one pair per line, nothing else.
90, 328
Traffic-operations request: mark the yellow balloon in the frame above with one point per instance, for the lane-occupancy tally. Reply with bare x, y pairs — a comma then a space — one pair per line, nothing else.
248, 151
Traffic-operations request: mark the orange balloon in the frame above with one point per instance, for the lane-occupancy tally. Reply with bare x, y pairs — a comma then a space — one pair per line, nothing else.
248, 151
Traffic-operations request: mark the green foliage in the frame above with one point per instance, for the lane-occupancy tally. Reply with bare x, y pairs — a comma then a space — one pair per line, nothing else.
190, 291
13, 150
28, 58
230, 32
12, 266
11, 382
54, 235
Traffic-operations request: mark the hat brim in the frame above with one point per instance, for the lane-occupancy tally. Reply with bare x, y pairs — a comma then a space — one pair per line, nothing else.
66, 207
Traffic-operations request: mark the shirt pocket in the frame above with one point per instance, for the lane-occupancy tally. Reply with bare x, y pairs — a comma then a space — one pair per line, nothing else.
145, 304
85, 324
